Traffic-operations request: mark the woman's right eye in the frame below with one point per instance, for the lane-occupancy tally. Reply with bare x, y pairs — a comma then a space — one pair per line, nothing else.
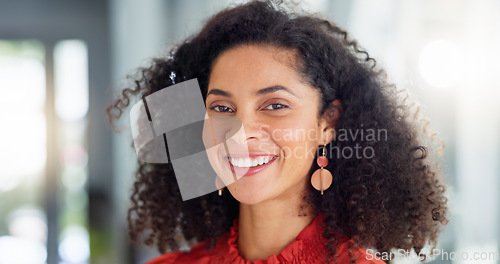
221, 108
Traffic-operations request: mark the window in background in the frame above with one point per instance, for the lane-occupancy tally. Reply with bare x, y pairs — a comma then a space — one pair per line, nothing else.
23, 226
71, 105
43, 163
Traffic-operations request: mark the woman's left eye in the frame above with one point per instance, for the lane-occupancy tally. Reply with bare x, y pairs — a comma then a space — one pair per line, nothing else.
275, 107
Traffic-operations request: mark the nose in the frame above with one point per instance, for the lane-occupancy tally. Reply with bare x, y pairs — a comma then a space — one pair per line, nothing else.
251, 128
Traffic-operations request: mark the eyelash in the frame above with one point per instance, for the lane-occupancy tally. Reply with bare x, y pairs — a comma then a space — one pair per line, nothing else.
219, 106
282, 106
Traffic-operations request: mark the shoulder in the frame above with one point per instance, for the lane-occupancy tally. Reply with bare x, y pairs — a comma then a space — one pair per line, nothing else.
198, 254
367, 256
345, 248
361, 255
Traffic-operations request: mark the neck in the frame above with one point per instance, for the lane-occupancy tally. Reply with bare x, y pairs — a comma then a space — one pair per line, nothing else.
267, 228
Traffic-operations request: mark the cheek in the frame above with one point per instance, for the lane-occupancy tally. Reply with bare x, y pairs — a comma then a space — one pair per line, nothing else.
297, 138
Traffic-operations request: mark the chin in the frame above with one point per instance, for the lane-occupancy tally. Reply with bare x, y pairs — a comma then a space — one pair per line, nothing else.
249, 196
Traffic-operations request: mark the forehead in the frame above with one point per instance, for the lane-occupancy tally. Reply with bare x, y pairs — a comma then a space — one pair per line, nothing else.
285, 56
256, 64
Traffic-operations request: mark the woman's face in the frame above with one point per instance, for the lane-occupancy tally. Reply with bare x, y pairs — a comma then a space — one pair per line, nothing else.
279, 124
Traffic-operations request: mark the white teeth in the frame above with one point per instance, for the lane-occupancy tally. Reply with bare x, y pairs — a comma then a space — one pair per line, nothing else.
248, 162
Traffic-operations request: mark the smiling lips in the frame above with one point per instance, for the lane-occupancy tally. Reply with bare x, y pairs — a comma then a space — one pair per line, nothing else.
249, 164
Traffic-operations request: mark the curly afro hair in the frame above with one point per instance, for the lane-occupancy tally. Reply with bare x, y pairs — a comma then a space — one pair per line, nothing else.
392, 199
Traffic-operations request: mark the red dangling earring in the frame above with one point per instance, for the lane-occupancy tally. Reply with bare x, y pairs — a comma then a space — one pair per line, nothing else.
321, 179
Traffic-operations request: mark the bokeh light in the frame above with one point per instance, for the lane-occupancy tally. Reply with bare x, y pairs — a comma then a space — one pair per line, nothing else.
441, 63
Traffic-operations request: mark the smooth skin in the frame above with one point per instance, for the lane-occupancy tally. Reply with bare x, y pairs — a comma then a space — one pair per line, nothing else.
280, 121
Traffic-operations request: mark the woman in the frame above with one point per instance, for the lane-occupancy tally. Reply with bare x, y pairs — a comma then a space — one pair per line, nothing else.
281, 73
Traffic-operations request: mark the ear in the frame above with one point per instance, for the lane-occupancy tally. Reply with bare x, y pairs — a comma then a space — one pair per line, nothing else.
328, 122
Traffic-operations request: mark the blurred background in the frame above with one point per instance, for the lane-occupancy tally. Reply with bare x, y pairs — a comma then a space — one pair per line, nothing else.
65, 177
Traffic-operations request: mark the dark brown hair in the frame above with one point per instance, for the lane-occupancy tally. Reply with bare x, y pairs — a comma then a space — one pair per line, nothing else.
395, 199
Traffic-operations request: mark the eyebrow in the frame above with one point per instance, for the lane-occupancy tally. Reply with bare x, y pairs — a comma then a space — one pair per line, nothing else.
262, 91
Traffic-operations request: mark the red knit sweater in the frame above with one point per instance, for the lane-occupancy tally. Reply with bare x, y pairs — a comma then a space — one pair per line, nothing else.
308, 247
